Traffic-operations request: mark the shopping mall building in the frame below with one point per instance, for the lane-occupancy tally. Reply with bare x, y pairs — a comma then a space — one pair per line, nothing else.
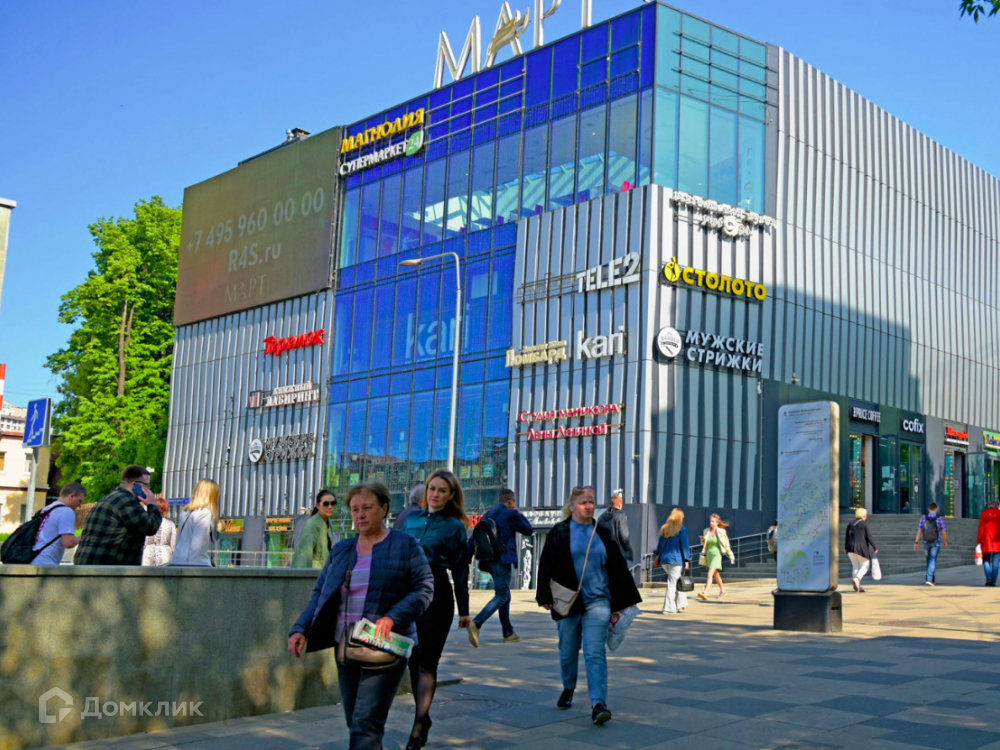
666, 231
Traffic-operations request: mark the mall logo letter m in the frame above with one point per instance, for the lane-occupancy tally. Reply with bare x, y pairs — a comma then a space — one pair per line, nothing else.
43, 706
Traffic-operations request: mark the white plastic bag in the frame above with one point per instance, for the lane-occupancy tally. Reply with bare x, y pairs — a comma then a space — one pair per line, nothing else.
876, 569
618, 625
979, 554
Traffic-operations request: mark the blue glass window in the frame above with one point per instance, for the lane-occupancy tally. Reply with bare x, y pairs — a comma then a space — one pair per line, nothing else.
501, 294
404, 327
356, 422
645, 136
472, 372
539, 71
533, 171
622, 142
470, 423
591, 156
563, 170
378, 386
335, 445
433, 201
624, 62
367, 246
565, 69
388, 243
344, 312
593, 72
409, 235
753, 51
512, 69
446, 330
696, 28
751, 165
428, 307
422, 428
667, 41
594, 43
481, 202
349, 236
378, 413
722, 157
402, 382
423, 380
665, 166
382, 345
692, 174
487, 78
625, 31
508, 162
442, 411
693, 86
362, 343
724, 95
457, 217
460, 108
648, 46
475, 306
752, 107
726, 40
399, 427
724, 60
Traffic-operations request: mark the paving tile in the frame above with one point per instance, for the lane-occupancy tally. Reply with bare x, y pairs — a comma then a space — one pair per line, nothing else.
749, 707
861, 705
834, 662
525, 716
623, 735
760, 733
949, 703
974, 675
949, 738
864, 678
816, 716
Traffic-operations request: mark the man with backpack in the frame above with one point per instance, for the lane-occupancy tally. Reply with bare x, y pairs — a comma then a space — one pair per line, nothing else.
933, 533
49, 533
494, 546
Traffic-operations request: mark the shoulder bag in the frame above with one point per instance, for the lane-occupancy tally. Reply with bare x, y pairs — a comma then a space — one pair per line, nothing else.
686, 582
353, 653
563, 597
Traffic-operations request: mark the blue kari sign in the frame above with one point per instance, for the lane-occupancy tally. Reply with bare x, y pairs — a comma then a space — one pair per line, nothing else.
37, 423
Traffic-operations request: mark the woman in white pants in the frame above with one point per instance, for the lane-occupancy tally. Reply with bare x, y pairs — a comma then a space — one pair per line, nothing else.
674, 554
860, 547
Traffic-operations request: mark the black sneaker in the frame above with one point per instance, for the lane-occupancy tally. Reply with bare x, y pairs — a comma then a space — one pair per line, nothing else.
565, 700
600, 714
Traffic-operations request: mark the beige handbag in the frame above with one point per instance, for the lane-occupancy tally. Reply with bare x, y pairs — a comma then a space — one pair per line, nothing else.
563, 597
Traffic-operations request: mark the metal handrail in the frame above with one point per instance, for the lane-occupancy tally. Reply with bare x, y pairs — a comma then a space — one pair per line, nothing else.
746, 549
248, 559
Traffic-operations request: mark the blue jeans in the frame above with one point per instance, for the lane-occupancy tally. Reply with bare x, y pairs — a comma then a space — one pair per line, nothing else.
591, 628
367, 695
501, 573
933, 549
991, 566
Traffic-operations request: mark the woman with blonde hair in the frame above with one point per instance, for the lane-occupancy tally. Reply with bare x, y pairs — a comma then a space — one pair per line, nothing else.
196, 528
674, 554
860, 547
582, 556
715, 544
442, 530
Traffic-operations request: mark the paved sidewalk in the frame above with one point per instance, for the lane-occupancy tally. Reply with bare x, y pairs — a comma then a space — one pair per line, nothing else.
915, 667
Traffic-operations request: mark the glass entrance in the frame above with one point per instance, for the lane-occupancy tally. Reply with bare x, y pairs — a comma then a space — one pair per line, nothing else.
910, 478
857, 473
950, 473
975, 473
886, 497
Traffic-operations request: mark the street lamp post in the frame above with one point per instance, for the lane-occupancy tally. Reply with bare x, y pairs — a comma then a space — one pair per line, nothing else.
458, 339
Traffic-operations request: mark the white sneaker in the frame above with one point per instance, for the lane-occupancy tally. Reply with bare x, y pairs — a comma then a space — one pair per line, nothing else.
929, 583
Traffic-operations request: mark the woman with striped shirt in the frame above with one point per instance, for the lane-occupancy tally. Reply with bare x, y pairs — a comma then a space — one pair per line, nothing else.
382, 576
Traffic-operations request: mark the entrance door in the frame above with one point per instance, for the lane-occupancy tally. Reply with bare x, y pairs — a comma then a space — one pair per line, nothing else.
910, 478
857, 473
976, 466
886, 497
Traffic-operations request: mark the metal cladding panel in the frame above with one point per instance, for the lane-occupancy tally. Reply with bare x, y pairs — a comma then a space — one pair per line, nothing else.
217, 364
885, 277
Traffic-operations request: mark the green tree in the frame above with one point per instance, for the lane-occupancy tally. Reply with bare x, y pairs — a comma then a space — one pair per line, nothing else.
978, 9
115, 368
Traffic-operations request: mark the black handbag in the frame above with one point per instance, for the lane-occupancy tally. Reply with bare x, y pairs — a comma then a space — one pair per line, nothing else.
354, 653
685, 583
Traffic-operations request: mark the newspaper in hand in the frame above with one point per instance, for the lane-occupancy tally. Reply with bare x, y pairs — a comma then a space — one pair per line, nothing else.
364, 632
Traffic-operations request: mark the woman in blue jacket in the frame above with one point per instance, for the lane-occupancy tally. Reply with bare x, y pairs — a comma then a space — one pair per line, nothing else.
674, 554
441, 528
390, 585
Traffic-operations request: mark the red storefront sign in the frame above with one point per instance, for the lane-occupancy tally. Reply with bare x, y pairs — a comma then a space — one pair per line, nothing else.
579, 411
276, 346
954, 436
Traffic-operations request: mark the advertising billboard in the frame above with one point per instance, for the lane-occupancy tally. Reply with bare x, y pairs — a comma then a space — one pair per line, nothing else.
259, 233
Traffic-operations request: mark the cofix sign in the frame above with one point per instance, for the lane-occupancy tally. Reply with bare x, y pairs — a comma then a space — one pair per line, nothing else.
276, 346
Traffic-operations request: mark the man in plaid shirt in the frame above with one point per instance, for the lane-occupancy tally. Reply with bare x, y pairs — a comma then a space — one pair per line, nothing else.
116, 529
932, 531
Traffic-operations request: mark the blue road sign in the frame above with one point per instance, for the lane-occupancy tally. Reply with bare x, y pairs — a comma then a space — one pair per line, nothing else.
36, 426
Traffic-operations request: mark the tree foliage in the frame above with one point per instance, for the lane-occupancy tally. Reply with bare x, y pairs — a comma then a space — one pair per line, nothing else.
978, 9
115, 368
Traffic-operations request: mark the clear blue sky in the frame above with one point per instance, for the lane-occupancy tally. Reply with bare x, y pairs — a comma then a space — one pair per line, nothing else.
106, 103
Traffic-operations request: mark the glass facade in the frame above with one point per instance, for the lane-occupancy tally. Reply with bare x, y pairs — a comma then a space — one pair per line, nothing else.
583, 117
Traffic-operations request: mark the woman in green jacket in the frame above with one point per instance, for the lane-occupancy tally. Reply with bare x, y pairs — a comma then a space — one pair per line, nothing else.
317, 538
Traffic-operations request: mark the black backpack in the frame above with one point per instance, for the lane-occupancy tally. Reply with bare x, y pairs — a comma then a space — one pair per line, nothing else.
17, 550
485, 542
929, 531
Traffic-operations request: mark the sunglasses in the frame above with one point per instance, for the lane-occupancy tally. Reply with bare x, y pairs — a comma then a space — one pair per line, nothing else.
328, 503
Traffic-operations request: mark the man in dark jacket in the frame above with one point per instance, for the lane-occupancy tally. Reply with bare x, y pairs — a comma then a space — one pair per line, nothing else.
116, 528
415, 506
509, 522
615, 522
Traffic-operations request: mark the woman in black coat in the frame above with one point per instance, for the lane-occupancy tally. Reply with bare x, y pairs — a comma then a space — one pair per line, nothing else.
860, 547
576, 549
